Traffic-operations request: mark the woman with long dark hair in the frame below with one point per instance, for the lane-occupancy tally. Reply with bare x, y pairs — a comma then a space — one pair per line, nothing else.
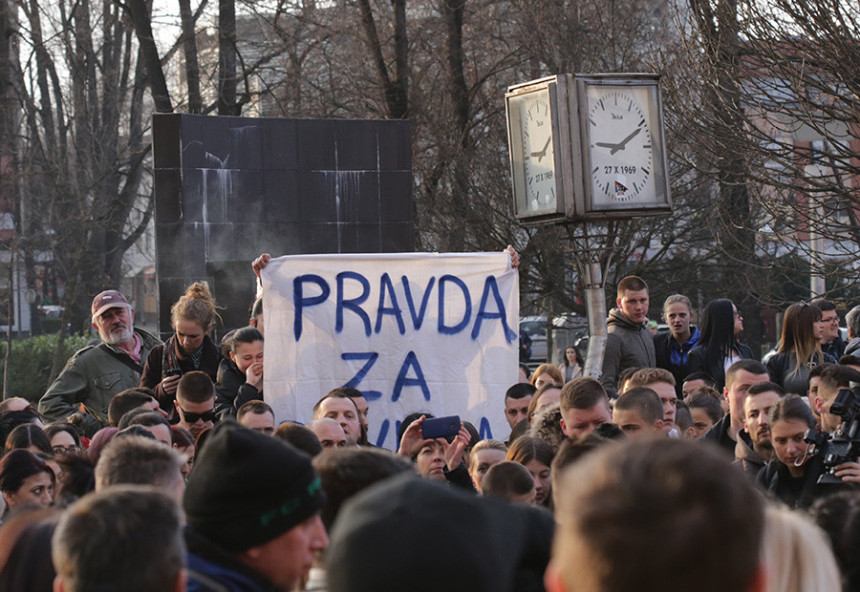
719, 347
799, 348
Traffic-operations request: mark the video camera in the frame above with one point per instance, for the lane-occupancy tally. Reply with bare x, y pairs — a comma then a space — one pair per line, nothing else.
843, 445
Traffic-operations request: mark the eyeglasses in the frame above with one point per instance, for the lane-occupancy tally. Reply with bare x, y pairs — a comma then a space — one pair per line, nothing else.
73, 449
195, 417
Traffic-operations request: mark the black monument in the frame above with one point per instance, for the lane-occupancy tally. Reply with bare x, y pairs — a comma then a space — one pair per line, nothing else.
230, 188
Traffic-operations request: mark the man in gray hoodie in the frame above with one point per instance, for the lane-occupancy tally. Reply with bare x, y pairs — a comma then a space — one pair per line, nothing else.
629, 343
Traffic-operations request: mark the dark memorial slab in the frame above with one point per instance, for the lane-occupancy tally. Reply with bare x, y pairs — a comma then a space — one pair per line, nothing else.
230, 188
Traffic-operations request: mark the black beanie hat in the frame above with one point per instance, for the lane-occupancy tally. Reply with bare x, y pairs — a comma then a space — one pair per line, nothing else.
248, 488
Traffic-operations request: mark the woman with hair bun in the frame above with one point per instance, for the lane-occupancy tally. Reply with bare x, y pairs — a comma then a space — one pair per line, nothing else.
189, 348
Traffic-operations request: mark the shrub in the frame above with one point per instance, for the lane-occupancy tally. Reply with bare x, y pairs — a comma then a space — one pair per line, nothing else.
30, 363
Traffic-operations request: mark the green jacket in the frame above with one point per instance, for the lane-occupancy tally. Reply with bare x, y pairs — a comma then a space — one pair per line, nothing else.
92, 377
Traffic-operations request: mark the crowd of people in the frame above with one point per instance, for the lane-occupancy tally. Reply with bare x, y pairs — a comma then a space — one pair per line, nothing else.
689, 464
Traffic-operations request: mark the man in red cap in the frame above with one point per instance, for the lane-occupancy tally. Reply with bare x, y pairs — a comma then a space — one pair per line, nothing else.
95, 374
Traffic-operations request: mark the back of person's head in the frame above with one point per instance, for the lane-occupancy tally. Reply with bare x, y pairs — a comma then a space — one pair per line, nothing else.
520, 390
11, 420
683, 417
582, 393
125, 538
476, 544
751, 366
796, 554
624, 377
572, 450
508, 480
254, 408
643, 401
838, 514
27, 435
16, 404
300, 437
78, 479
344, 472
140, 461
125, 401
631, 283
195, 387
98, 442
520, 430
25, 544
838, 377
792, 407
648, 376
707, 399
653, 516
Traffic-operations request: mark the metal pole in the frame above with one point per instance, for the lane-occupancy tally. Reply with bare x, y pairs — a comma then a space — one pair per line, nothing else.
595, 302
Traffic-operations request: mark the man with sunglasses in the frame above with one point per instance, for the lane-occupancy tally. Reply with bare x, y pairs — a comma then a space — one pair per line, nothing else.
195, 402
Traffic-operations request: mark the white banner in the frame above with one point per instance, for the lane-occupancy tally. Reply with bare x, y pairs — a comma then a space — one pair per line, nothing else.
424, 332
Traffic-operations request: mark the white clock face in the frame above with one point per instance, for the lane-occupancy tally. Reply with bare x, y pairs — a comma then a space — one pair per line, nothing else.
621, 145
538, 152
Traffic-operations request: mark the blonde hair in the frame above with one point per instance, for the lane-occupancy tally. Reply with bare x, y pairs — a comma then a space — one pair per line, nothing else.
797, 554
488, 444
196, 305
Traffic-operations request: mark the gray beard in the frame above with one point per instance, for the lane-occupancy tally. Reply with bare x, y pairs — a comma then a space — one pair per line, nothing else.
118, 337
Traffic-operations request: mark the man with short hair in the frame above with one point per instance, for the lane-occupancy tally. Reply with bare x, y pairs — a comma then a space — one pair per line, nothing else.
102, 540
831, 341
639, 413
833, 378
253, 508
663, 383
630, 516
705, 409
629, 343
141, 461
517, 399
343, 410
754, 448
812, 393
696, 380
329, 432
584, 406
152, 421
511, 481
257, 415
739, 378
129, 399
83, 390
672, 347
195, 402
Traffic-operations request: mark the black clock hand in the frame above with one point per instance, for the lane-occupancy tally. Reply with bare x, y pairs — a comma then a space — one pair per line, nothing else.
623, 142
542, 153
607, 145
